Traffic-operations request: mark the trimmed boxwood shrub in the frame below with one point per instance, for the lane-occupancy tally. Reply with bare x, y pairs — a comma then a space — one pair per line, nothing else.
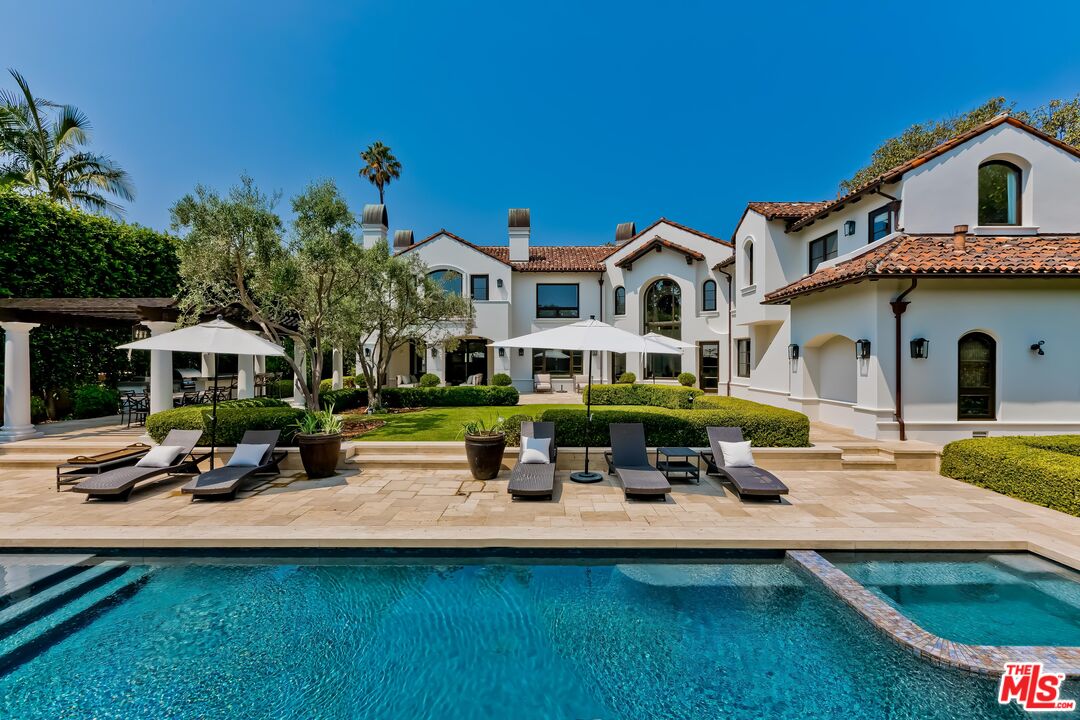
347, 381
280, 388
234, 418
91, 401
512, 428
628, 378
501, 379
1044, 470
665, 396
454, 396
687, 379
347, 398
762, 425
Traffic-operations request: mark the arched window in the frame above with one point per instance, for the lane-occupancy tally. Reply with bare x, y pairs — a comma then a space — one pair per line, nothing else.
748, 262
620, 300
999, 193
450, 280
708, 295
976, 379
663, 316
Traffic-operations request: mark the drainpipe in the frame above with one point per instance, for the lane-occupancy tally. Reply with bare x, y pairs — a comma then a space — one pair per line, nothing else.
600, 281
899, 305
731, 299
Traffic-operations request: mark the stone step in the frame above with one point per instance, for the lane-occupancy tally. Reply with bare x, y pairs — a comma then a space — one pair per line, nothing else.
20, 614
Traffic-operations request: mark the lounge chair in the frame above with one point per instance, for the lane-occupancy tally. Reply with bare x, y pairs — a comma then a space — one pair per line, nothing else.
630, 461
542, 382
476, 379
406, 381
224, 482
117, 484
535, 479
747, 481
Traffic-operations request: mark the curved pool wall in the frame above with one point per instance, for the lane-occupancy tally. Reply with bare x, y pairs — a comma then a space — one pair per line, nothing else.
335, 637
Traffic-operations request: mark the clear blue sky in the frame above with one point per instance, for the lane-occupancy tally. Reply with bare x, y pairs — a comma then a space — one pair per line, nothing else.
589, 113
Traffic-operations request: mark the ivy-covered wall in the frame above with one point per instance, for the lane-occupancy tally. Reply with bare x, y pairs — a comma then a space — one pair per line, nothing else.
47, 250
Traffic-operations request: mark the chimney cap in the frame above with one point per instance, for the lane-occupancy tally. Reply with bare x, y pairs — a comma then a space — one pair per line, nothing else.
403, 239
518, 218
375, 214
960, 229
624, 231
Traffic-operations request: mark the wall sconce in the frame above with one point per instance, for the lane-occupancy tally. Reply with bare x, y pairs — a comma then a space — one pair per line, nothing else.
521, 352
793, 352
849, 228
498, 282
862, 349
434, 352
920, 349
139, 332
502, 352
1037, 347
367, 352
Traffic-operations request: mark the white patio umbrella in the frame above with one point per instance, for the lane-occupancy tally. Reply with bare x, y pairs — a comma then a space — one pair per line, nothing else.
679, 346
218, 337
588, 336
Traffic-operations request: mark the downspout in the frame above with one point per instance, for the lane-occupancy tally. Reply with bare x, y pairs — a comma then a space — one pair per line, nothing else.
899, 305
731, 299
600, 280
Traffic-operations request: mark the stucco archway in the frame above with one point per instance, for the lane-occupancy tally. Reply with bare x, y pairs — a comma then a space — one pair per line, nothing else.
832, 368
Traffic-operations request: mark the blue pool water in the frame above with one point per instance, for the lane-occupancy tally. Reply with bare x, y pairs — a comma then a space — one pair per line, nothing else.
361, 639
975, 598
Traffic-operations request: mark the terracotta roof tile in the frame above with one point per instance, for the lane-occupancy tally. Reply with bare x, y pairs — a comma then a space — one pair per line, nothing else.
659, 242
554, 258
787, 210
936, 255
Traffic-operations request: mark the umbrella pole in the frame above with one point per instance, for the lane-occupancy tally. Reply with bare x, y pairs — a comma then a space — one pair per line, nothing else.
586, 476
213, 418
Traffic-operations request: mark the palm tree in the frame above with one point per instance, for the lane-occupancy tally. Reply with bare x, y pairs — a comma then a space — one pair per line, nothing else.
380, 166
43, 157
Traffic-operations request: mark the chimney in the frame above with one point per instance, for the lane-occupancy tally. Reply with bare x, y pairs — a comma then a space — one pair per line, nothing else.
624, 231
375, 225
402, 239
959, 238
519, 226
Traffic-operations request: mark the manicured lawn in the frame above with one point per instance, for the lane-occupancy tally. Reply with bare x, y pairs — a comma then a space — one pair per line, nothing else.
444, 423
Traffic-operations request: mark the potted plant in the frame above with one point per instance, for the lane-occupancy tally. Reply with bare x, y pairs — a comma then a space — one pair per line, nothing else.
484, 446
319, 436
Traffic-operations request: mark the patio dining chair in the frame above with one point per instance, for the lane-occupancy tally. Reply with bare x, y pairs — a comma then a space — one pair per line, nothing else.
542, 382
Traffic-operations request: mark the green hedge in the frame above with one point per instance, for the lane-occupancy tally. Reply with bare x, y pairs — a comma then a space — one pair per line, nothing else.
347, 381
763, 425
348, 398
1044, 470
456, 396
665, 396
91, 401
234, 418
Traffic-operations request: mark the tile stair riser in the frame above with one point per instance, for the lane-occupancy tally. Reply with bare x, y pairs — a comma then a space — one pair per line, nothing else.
33, 608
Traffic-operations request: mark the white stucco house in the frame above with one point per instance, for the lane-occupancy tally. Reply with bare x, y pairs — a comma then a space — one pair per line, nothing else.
662, 279
938, 301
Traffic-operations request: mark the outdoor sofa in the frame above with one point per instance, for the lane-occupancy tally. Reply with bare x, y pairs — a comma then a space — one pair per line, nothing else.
535, 479
629, 462
117, 484
748, 481
224, 482
542, 382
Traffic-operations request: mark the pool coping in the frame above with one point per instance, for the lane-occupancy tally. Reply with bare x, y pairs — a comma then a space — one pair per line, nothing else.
980, 659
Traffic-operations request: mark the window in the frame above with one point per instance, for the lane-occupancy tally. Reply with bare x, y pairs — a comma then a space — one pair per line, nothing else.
748, 252
822, 249
976, 380
558, 362
999, 193
708, 296
556, 300
450, 280
417, 359
742, 354
618, 365
663, 316
880, 223
478, 287
620, 300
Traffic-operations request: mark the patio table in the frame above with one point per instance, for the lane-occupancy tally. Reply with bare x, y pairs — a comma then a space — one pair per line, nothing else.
677, 463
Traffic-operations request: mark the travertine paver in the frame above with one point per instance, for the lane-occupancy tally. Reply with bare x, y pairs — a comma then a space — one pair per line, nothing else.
443, 507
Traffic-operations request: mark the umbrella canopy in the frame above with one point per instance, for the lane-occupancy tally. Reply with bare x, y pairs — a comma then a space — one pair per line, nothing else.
216, 336
664, 339
589, 335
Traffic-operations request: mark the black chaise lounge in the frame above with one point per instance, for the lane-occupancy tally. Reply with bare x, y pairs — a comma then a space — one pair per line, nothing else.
630, 461
224, 482
535, 479
748, 481
117, 484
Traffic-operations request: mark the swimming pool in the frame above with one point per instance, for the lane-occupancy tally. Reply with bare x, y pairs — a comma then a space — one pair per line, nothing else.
975, 598
351, 638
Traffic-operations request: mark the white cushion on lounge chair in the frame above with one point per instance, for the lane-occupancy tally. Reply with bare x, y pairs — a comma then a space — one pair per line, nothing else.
161, 456
535, 451
248, 455
737, 454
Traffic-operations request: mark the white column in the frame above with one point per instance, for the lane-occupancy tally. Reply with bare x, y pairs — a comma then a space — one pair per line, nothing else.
17, 425
209, 364
300, 358
338, 376
161, 369
245, 376
260, 364
357, 369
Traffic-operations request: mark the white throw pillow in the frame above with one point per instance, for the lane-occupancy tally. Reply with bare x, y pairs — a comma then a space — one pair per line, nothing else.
248, 455
161, 456
737, 454
534, 451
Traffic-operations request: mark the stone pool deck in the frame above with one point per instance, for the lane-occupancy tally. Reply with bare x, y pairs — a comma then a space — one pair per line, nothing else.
401, 507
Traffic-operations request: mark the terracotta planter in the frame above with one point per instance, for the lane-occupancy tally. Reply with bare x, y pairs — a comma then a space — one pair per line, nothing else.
319, 454
485, 453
